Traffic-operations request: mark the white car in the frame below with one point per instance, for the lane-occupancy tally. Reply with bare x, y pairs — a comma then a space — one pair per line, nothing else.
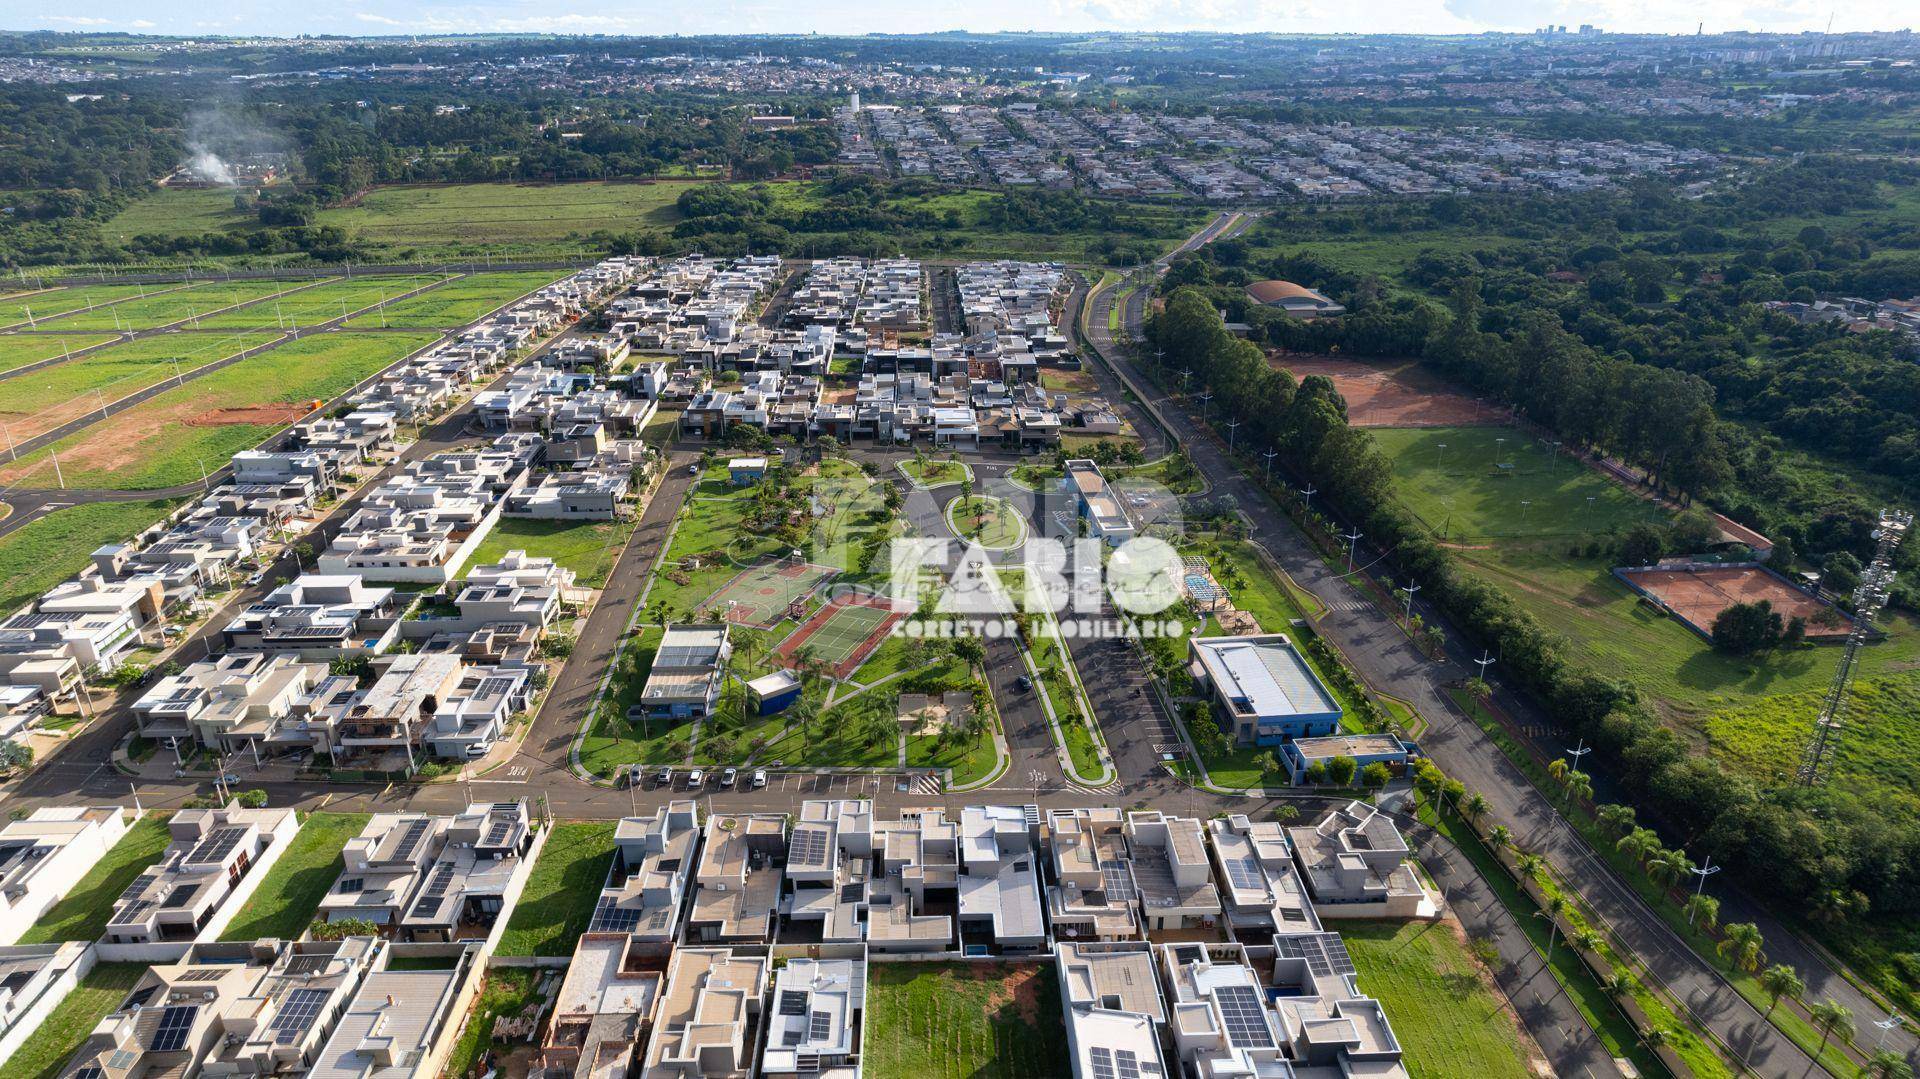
759, 778
729, 777
696, 779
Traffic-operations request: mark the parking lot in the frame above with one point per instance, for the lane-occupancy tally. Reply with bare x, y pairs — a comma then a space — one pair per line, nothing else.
806, 784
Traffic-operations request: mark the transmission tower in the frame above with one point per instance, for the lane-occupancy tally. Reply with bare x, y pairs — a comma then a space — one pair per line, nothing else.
1868, 599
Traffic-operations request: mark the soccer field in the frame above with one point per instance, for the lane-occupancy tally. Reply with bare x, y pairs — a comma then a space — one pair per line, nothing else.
1474, 484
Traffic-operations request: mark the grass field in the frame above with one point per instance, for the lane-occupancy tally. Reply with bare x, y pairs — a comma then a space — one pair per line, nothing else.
46, 1050
993, 523
560, 895
1450, 1022
16, 310
42, 553
82, 914
322, 303
459, 302
285, 902
179, 211
588, 548
934, 473
42, 400
477, 217
153, 445
20, 349
178, 305
964, 1021
1472, 484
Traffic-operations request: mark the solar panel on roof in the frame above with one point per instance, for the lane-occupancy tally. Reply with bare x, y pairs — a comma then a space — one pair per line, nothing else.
308, 964
792, 1036
140, 997
610, 917
89, 1072
171, 1035
819, 1026
1117, 882
436, 888
497, 833
1245, 1018
410, 840
1245, 873
792, 1002
140, 884
217, 846
1102, 1062
809, 847
133, 912
297, 1015
1127, 1063
202, 974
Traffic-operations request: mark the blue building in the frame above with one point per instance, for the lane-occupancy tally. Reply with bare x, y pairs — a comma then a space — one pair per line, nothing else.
774, 692
1300, 755
1264, 687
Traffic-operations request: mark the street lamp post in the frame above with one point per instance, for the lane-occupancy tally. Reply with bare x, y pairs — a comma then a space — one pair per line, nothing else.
1485, 661
1205, 400
1887, 1026
1270, 455
1703, 871
1232, 430
1309, 491
1410, 589
1353, 544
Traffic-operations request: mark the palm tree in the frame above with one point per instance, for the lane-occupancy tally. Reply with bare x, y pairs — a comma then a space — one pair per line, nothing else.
1588, 940
1655, 1037
1558, 770
1704, 911
1743, 946
1531, 865
1579, 786
1616, 820
1502, 836
1669, 867
1638, 843
805, 711
1475, 806
1779, 981
1828, 1016
1886, 1064
1556, 906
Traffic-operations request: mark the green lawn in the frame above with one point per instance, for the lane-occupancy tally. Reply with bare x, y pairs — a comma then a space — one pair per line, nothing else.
153, 444
82, 914
1469, 486
588, 548
16, 310
287, 899
507, 992
20, 349
560, 895
993, 523
522, 217
47, 1049
964, 1021
42, 400
175, 306
458, 302
42, 553
324, 303
1449, 1020
934, 473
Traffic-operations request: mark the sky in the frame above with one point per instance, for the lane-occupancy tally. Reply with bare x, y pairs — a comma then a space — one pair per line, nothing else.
281, 17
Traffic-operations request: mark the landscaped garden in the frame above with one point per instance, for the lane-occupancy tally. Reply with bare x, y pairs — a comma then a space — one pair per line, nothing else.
993, 523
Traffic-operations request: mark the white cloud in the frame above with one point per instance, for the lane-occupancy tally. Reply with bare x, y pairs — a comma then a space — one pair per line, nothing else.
80, 20
143, 24
368, 16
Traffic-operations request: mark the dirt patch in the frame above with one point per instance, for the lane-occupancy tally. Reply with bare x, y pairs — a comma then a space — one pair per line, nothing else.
1392, 393
264, 415
1015, 985
1697, 595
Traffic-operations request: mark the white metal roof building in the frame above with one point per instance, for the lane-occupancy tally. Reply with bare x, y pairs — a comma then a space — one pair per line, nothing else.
1265, 687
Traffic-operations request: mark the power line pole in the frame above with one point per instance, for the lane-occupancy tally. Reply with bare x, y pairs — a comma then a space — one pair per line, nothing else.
1876, 586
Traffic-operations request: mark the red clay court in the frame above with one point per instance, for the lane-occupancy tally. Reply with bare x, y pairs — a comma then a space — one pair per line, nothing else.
1697, 594
1393, 393
842, 633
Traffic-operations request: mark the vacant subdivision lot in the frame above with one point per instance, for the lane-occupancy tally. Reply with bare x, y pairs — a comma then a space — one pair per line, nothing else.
286, 900
964, 1021
32, 307
519, 217
165, 442
322, 303
82, 914
1450, 1021
47, 1050
43, 552
561, 893
39, 401
588, 548
1393, 393
178, 305
460, 301
21, 349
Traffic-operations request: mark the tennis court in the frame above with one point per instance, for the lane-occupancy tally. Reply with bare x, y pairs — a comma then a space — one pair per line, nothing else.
843, 633
1697, 594
761, 595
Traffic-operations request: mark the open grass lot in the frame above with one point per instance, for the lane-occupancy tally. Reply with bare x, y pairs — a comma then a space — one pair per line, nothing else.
16, 310
1450, 1022
964, 1021
1469, 486
558, 901
460, 301
991, 522
20, 349
47, 1050
588, 548
160, 443
176, 306
520, 217
82, 914
42, 400
42, 553
284, 904
507, 992
323, 303
179, 211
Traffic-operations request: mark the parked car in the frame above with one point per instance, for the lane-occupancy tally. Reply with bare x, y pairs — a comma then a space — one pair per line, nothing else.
664, 779
1023, 683
759, 778
696, 779
729, 777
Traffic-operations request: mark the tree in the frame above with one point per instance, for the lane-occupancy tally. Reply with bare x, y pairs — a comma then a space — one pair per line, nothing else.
1887, 1064
1340, 770
14, 755
1502, 836
1779, 981
970, 651
1616, 820
1638, 843
1746, 628
1475, 806
1669, 867
1642, 545
1840, 573
1828, 1016
1579, 786
343, 928
1557, 770
1556, 906
1269, 763
1375, 775
1703, 910
1743, 946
